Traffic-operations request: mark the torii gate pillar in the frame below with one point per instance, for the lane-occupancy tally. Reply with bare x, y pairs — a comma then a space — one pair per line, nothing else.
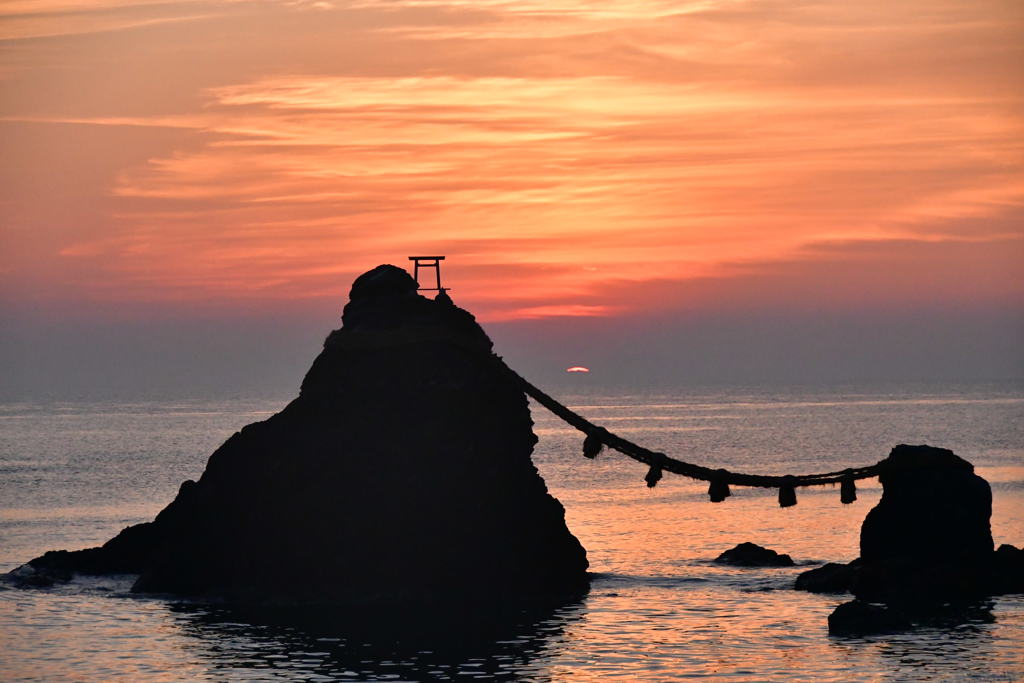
428, 262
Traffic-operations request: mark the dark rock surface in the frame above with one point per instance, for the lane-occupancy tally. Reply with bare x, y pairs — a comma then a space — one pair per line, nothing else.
928, 541
858, 618
27, 576
828, 578
401, 474
753, 555
862, 618
1008, 570
126, 553
934, 509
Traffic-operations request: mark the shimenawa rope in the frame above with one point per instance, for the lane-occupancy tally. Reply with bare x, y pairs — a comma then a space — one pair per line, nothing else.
598, 437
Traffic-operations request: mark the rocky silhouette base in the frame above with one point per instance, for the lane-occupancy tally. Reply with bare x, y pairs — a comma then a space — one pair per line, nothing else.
401, 475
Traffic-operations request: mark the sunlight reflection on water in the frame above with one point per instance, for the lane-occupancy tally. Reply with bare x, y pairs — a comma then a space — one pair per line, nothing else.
635, 630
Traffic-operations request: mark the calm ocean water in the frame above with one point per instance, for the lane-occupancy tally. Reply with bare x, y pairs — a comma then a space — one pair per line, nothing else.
73, 474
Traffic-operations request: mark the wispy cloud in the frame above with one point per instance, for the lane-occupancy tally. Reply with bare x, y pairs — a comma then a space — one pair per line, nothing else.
588, 144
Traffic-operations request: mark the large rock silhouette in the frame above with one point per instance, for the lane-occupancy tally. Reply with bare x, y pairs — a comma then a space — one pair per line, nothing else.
401, 474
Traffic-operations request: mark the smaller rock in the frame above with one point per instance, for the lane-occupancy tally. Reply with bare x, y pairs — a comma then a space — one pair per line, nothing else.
27, 576
753, 555
21, 572
829, 578
858, 618
36, 581
1007, 570
934, 511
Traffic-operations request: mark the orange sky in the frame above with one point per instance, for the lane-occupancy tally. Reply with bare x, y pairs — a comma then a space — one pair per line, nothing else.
570, 158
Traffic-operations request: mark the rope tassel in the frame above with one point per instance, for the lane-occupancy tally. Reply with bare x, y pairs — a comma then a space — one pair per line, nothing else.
653, 476
592, 445
787, 494
847, 489
718, 490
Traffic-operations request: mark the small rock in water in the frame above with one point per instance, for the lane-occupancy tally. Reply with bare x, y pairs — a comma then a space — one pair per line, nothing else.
1008, 570
828, 578
27, 576
858, 618
753, 555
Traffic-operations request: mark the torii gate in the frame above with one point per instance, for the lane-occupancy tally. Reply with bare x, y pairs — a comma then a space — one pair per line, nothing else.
428, 262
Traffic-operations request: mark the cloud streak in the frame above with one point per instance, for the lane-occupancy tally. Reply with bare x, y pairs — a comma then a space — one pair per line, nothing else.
560, 153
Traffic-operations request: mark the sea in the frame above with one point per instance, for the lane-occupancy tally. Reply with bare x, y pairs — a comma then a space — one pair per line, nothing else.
74, 473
